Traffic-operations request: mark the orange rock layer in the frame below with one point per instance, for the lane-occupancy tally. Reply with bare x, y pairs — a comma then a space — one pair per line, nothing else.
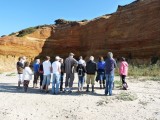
133, 31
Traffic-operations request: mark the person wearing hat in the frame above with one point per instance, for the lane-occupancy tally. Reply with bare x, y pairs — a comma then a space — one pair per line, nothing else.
56, 69
81, 70
70, 64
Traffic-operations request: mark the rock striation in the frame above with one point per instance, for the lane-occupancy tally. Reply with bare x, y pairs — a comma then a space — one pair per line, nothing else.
133, 31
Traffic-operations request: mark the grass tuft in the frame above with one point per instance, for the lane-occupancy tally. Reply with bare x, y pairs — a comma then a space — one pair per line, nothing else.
126, 96
11, 74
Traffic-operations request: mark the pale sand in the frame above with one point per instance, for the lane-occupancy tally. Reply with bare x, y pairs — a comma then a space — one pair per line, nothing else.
17, 105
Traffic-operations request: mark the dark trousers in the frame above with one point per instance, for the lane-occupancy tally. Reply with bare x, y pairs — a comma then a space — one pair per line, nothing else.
25, 84
69, 80
123, 77
61, 82
41, 78
36, 75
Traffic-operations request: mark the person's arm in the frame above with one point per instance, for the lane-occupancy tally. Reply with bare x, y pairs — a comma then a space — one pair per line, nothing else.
75, 62
59, 68
50, 67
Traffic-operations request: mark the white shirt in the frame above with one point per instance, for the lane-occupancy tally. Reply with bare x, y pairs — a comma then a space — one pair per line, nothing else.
47, 67
82, 62
27, 73
56, 66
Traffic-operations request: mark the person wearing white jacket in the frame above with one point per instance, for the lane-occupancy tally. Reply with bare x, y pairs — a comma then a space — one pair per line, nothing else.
27, 76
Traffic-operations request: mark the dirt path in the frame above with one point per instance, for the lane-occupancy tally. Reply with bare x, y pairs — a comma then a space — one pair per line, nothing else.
140, 102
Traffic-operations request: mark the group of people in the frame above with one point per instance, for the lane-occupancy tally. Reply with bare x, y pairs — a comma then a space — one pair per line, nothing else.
89, 72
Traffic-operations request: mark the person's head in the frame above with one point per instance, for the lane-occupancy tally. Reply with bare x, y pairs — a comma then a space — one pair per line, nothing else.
110, 55
20, 59
24, 58
101, 58
61, 60
80, 57
47, 58
57, 58
27, 64
123, 59
37, 60
71, 54
91, 58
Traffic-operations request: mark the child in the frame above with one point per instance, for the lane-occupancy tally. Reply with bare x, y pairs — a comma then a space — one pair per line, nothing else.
27, 76
81, 73
123, 71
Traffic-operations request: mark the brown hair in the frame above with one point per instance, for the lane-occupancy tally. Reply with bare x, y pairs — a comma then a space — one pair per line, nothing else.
47, 58
26, 64
101, 58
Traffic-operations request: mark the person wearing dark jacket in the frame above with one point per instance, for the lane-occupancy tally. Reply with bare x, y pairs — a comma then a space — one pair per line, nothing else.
81, 73
62, 74
91, 69
109, 69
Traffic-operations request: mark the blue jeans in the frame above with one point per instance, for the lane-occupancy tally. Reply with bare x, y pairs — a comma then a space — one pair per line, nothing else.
80, 81
55, 83
46, 80
109, 84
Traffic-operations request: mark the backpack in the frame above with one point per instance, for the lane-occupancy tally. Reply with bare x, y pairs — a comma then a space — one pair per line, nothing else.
80, 72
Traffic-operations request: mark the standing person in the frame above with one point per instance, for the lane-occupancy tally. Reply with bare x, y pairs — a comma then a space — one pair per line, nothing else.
91, 69
56, 69
46, 73
27, 76
20, 68
36, 66
41, 75
81, 73
123, 71
84, 64
62, 74
101, 72
110, 66
70, 63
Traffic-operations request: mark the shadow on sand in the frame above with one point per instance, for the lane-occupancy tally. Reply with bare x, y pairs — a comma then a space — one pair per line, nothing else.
12, 88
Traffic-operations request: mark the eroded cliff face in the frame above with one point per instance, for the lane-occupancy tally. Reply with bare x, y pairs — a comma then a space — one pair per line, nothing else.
133, 31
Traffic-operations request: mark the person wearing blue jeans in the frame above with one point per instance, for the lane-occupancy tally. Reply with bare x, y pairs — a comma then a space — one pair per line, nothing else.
110, 65
80, 83
81, 70
55, 83
109, 84
56, 69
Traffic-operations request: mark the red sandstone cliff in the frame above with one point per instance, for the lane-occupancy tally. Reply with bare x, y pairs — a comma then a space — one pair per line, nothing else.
132, 31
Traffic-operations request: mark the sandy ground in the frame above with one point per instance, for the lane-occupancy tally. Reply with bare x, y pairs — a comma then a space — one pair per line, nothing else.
17, 105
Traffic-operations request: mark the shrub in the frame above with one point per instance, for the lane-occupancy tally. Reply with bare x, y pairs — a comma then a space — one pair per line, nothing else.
3, 35
26, 31
144, 70
12, 34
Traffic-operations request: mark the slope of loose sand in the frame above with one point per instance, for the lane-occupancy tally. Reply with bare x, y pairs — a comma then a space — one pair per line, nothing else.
17, 105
